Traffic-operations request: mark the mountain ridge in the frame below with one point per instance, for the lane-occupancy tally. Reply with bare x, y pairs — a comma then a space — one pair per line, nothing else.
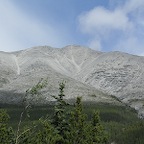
114, 73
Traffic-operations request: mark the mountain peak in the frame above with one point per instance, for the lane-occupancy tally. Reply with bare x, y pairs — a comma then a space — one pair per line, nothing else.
86, 71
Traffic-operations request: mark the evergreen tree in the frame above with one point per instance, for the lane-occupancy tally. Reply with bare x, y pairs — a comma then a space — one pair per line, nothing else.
98, 134
61, 129
59, 119
47, 133
83, 132
78, 132
42, 132
6, 133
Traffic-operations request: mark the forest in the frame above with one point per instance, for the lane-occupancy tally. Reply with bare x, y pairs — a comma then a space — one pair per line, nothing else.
68, 123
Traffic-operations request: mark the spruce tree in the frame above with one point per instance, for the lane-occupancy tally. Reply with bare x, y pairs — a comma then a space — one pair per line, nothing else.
77, 125
98, 134
61, 129
42, 132
59, 119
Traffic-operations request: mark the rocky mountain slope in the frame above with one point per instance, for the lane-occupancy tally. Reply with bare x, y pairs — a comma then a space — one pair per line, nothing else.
93, 75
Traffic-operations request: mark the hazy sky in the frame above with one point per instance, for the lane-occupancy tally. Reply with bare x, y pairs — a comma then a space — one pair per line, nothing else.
105, 25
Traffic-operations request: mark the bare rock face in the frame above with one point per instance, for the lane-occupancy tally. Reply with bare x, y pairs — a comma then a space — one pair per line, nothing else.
91, 74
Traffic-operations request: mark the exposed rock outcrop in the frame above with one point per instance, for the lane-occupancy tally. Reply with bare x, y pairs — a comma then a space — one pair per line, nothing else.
87, 73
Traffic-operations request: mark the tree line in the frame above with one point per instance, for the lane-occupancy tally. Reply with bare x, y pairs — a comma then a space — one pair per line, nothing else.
65, 126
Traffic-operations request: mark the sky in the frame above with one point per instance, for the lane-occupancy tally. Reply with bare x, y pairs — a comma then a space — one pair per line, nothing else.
103, 25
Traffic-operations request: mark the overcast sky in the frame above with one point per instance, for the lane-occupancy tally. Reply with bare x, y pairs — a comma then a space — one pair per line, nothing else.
105, 25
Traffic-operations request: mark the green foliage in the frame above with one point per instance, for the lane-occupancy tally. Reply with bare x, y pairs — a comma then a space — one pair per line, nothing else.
6, 133
47, 133
74, 128
4, 117
41, 132
131, 134
71, 124
77, 125
33, 95
97, 131
74, 123
29, 97
81, 131
59, 118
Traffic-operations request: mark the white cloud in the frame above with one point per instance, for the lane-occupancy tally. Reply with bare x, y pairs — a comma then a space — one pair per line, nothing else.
101, 19
133, 5
95, 44
123, 26
19, 31
130, 45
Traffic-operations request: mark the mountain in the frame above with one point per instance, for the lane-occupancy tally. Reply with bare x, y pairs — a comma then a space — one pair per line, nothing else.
96, 76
